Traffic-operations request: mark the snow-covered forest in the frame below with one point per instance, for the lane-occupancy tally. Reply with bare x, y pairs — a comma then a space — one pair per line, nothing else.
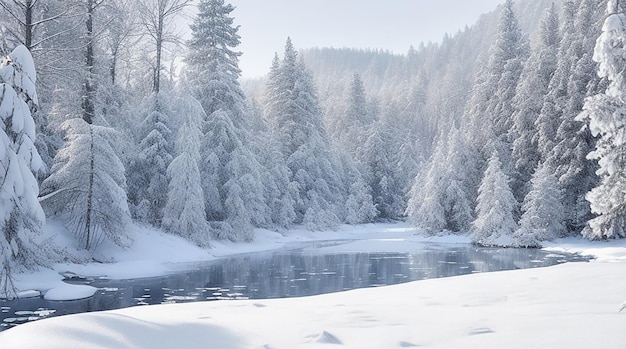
510, 131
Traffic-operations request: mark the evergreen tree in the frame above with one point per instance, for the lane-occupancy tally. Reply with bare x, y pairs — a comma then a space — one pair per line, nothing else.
494, 91
605, 113
348, 128
184, 212
359, 204
21, 215
487, 118
438, 199
542, 211
86, 186
294, 115
533, 86
425, 206
495, 208
387, 193
212, 63
148, 169
574, 79
233, 179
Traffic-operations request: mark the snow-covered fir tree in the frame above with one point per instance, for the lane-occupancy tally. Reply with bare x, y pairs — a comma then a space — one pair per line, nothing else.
233, 180
359, 206
380, 170
492, 97
232, 177
542, 210
21, 215
438, 199
495, 208
86, 187
425, 206
348, 129
295, 118
533, 86
184, 212
574, 79
606, 114
213, 64
147, 170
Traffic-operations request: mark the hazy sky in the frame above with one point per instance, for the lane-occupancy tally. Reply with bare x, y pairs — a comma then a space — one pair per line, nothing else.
382, 24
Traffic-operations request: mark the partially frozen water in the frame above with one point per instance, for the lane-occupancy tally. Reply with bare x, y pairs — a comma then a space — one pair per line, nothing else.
280, 274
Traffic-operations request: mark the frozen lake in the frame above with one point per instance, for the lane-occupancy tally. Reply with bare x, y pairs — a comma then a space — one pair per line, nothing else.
303, 271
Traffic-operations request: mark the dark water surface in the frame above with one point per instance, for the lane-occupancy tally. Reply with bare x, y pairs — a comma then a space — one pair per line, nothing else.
281, 274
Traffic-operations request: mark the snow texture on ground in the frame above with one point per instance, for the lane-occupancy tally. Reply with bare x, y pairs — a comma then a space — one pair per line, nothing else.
575, 305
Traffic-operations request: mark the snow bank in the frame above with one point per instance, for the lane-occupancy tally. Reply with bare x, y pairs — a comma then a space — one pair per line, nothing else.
573, 305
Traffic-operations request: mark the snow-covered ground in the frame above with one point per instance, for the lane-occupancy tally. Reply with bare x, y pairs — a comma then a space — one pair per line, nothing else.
575, 305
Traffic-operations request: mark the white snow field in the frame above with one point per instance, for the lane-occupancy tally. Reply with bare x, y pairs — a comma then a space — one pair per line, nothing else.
574, 305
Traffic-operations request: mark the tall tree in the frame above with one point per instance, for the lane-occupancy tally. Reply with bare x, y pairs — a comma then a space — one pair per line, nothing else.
184, 211
294, 115
574, 79
148, 169
21, 215
495, 223
494, 91
348, 128
533, 87
487, 118
86, 187
212, 62
605, 113
233, 180
542, 211
157, 17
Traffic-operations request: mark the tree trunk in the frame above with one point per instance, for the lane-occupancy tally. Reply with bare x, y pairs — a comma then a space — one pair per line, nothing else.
89, 93
28, 24
159, 48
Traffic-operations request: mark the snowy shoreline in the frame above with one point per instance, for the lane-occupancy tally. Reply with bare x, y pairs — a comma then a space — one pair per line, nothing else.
156, 253
574, 305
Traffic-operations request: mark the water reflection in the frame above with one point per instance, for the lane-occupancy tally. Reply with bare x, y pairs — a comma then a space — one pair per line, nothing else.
283, 274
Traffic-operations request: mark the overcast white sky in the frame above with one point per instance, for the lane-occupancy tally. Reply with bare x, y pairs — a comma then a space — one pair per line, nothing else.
382, 24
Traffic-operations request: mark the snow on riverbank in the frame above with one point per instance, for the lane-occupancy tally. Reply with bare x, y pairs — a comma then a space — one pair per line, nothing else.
155, 253
575, 305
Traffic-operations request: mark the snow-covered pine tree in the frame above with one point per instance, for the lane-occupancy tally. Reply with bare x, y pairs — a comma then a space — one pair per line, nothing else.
456, 201
147, 171
294, 115
184, 211
487, 117
86, 186
233, 180
574, 79
606, 114
492, 97
359, 206
542, 211
438, 199
495, 208
532, 89
347, 130
213, 64
380, 170
21, 215
425, 205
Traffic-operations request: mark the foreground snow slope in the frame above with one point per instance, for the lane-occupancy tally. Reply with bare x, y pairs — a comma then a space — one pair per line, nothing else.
567, 306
